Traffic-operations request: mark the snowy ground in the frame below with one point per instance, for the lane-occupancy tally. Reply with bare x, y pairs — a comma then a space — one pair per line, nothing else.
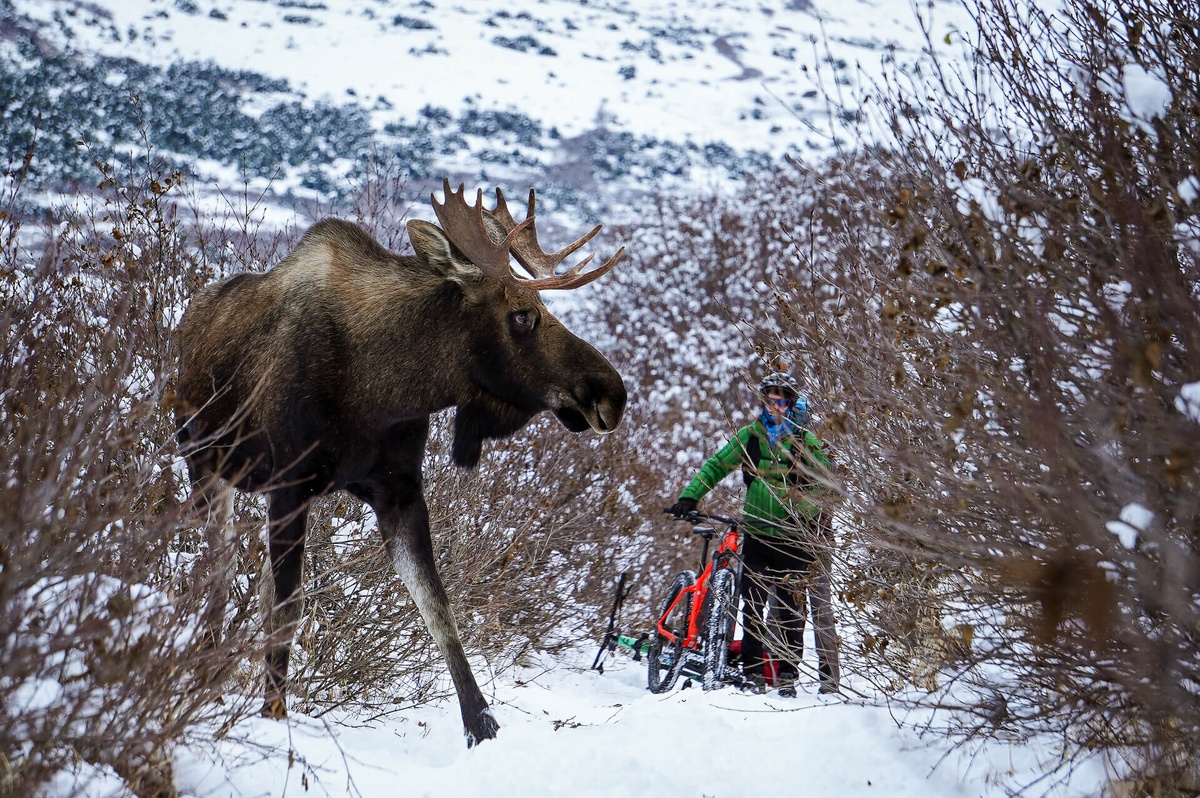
569, 731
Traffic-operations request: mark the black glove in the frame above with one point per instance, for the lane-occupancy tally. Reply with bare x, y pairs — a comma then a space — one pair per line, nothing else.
683, 507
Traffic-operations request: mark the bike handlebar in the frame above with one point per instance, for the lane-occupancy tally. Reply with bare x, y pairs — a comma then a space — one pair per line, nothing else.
697, 517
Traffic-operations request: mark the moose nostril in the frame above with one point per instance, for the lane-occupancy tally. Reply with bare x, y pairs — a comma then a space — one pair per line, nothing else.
609, 416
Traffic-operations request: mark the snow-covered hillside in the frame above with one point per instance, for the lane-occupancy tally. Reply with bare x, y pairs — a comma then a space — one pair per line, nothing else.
589, 97
708, 71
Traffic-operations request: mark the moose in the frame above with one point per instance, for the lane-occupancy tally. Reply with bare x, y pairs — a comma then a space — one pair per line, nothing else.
321, 374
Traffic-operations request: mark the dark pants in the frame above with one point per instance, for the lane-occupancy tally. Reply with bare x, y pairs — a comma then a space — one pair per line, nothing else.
793, 575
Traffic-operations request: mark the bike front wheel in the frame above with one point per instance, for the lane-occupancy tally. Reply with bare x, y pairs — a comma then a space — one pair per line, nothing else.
719, 625
664, 659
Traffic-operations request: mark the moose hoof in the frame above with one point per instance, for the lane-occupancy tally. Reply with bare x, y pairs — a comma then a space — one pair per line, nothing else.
484, 728
274, 709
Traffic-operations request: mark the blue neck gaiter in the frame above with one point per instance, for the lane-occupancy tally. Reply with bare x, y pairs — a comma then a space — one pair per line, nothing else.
777, 430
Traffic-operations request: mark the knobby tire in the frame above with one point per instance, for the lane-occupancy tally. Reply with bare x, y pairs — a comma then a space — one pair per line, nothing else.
664, 660
718, 627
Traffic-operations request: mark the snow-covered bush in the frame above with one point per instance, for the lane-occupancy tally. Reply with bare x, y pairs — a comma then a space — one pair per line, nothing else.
107, 657
102, 595
1001, 309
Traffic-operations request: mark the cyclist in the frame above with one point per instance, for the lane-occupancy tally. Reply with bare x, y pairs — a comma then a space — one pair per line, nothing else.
786, 549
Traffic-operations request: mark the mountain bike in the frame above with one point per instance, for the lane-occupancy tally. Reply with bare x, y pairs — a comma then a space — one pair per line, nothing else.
695, 627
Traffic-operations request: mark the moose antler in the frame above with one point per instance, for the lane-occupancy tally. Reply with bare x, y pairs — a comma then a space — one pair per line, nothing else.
465, 226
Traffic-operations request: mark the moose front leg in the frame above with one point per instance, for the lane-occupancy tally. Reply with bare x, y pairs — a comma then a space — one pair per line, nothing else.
405, 531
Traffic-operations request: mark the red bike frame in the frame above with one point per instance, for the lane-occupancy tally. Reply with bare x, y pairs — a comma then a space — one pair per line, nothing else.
725, 552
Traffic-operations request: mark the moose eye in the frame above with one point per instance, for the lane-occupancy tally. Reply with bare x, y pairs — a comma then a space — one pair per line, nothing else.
523, 320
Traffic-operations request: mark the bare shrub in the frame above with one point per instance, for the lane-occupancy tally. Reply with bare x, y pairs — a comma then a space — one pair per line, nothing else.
101, 661
1002, 316
525, 546
105, 566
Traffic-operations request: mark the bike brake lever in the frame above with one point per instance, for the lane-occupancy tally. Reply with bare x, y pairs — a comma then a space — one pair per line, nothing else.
694, 517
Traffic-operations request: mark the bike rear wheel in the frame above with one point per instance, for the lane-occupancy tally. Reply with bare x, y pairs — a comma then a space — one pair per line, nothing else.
719, 625
664, 660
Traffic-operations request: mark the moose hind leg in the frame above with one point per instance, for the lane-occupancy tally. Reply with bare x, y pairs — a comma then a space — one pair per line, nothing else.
285, 601
406, 533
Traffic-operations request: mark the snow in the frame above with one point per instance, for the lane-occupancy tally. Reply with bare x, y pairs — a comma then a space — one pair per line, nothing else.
1148, 95
1188, 401
570, 731
974, 190
1189, 189
1135, 519
700, 71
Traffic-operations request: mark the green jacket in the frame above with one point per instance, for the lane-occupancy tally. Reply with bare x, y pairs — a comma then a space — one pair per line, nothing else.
777, 492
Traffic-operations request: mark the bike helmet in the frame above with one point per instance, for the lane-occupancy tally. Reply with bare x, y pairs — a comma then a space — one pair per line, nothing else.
780, 381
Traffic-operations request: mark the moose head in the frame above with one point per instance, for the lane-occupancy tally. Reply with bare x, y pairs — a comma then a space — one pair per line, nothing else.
321, 374
525, 361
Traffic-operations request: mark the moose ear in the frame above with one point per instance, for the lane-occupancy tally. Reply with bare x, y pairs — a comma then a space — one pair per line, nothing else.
434, 247
431, 244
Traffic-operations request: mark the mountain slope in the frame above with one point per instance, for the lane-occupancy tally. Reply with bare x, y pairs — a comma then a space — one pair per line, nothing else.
584, 98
